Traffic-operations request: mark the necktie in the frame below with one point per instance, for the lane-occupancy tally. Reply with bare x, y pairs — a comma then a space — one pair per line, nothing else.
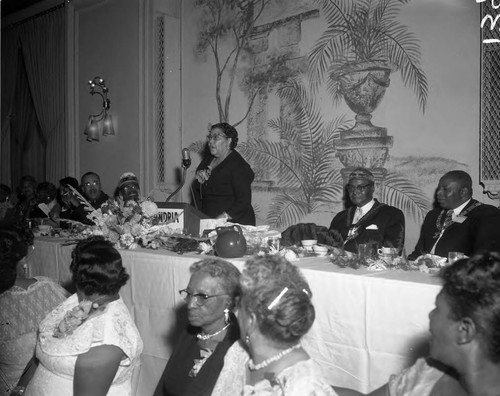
448, 219
358, 214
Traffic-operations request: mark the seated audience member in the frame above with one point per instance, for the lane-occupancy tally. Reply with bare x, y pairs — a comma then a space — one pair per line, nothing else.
128, 187
69, 202
465, 331
91, 188
274, 313
368, 221
89, 345
460, 224
26, 198
24, 302
47, 199
7, 208
91, 191
198, 356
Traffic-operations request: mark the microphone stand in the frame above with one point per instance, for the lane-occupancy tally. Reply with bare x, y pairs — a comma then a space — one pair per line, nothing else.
186, 163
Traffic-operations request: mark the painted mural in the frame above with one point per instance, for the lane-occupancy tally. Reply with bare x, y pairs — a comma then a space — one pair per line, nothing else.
306, 105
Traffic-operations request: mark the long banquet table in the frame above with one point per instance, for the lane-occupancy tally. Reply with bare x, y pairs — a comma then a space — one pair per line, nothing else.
368, 325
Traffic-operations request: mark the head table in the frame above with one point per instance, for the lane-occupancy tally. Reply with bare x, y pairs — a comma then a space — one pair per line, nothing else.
368, 325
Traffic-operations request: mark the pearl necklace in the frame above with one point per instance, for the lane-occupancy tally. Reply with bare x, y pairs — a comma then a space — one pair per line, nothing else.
267, 362
204, 337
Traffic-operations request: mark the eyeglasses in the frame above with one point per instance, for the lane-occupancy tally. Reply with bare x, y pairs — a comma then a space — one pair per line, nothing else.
88, 184
199, 298
216, 138
359, 188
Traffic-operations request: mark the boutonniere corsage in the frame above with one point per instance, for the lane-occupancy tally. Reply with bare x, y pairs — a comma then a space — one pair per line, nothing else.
73, 319
78, 315
203, 175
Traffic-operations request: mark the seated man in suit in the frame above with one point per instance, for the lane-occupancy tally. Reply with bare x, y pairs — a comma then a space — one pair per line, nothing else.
460, 224
368, 221
90, 190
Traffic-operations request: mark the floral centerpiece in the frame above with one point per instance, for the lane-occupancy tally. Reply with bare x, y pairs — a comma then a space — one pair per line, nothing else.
127, 225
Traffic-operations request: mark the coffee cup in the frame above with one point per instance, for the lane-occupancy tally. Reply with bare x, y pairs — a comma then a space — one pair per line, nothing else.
388, 251
308, 244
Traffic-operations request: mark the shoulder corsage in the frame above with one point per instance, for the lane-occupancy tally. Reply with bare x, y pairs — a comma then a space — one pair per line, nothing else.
79, 314
203, 175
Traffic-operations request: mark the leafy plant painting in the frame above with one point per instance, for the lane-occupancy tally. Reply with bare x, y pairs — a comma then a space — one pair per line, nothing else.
302, 160
364, 32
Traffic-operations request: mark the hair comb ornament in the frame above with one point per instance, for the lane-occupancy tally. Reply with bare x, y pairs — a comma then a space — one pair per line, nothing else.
277, 299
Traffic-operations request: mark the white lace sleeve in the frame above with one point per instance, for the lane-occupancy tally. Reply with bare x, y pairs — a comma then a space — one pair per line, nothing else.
417, 380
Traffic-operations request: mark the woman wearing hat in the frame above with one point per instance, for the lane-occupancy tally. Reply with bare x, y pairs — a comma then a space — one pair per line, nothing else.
223, 180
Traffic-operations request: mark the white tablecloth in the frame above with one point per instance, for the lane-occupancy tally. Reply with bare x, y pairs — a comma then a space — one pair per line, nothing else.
368, 324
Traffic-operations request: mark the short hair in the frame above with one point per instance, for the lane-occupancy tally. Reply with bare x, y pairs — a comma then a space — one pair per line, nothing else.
69, 181
472, 288
14, 244
230, 132
96, 267
284, 319
88, 174
362, 174
461, 177
228, 274
47, 187
6, 189
29, 179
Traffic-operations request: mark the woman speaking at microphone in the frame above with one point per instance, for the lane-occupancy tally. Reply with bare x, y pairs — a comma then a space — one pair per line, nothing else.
223, 180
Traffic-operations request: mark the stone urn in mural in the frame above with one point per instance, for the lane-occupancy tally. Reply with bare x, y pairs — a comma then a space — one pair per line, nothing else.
363, 43
363, 86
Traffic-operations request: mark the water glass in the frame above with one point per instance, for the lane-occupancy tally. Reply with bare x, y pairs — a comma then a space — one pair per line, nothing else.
454, 256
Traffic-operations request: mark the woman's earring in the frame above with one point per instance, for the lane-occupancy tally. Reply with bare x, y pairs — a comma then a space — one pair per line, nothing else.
247, 339
226, 315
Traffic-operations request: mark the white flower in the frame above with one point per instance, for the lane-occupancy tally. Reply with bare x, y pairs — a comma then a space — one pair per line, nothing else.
127, 239
149, 209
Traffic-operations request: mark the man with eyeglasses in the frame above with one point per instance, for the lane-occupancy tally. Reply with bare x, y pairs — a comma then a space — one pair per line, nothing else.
128, 187
368, 221
91, 188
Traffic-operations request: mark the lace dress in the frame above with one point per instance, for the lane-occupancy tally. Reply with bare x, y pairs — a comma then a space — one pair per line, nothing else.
54, 375
417, 380
21, 311
302, 379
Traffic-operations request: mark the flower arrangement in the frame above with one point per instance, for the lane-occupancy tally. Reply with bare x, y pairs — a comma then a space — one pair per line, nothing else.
127, 225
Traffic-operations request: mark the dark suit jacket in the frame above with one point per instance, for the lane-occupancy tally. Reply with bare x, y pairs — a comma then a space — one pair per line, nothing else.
479, 231
227, 190
175, 380
388, 221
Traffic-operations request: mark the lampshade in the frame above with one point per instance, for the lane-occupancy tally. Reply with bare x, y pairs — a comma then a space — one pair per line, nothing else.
101, 122
93, 131
107, 127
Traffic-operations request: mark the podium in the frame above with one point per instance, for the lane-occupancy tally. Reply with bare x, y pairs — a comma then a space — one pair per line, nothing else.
183, 217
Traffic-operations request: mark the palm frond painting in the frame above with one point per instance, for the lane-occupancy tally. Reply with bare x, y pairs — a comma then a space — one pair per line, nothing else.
302, 160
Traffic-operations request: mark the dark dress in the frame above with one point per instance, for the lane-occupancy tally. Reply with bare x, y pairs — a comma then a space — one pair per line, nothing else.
479, 230
383, 225
227, 190
175, 380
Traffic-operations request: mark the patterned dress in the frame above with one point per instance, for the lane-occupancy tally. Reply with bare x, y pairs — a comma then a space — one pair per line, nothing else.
114, 326
21, 311
302, 379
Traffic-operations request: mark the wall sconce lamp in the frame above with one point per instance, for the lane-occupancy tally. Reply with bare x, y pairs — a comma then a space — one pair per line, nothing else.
101, 122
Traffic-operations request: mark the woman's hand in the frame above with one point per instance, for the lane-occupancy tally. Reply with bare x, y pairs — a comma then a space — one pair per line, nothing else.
96, 369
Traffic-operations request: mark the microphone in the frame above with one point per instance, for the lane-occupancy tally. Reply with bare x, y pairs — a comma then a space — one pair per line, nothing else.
186, 158
186, 163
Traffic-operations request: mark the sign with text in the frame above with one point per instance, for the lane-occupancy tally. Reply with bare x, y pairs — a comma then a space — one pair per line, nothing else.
173, 217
